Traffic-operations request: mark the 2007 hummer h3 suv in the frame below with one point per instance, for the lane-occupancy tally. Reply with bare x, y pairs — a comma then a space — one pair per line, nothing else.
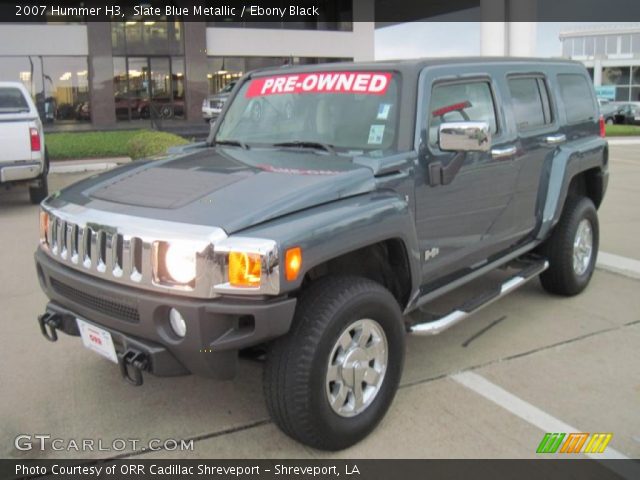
329, 205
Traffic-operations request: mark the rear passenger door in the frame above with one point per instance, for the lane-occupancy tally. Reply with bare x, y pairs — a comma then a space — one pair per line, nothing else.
538, 136
452, 220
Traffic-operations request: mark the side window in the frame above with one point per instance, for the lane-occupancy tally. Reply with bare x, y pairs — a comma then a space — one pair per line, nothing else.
460, 102
530, 101
577, 97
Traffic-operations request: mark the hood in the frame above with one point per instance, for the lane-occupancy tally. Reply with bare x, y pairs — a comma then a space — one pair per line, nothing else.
228, 188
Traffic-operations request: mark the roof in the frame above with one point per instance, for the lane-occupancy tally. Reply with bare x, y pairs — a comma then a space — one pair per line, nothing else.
412, 64
595, 30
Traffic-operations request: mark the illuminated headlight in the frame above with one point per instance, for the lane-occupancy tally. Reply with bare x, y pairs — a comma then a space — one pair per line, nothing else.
248, 265
180, 261
176, 262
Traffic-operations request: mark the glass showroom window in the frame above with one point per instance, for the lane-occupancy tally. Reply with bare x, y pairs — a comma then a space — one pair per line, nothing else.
58, 85
66, 81
635, 87
620, 77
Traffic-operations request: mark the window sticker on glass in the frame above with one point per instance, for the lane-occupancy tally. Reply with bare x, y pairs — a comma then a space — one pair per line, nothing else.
376, 132
383, 111
371, 83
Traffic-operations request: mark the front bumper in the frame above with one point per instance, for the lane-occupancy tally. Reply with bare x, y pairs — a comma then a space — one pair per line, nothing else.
216, 329
17, 172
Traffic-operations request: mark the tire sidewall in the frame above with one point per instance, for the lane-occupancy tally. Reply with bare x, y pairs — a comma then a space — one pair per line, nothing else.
377, 307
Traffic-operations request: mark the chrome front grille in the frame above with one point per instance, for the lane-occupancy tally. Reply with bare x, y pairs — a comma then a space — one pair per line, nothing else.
100, 249
87, 240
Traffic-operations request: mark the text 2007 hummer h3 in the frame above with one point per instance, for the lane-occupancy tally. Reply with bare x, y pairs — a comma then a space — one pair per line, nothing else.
329, 205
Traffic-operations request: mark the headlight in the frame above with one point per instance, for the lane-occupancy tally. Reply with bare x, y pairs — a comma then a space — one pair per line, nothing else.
180, 262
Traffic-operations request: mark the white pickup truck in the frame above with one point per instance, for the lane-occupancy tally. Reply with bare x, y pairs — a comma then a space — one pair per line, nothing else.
23, 157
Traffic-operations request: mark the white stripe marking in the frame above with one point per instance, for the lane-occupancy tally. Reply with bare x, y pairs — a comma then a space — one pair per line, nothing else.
526, 411
622, 265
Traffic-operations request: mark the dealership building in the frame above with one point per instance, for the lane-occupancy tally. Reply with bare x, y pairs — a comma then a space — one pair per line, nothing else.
612, 56
105, 73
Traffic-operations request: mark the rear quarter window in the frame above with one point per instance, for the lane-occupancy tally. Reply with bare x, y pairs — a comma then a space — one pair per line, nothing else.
12, 99
577, 98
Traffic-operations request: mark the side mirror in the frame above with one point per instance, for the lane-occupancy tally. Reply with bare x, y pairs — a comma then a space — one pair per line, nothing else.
464, 137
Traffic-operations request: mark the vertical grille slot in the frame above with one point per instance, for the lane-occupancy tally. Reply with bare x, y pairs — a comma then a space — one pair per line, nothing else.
117, 254
136, 259
62, 239
73, 252
101, 251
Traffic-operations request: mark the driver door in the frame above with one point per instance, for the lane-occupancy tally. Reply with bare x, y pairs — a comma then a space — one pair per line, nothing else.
454, 221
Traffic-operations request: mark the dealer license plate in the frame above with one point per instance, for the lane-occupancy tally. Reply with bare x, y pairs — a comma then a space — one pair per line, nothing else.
97, 339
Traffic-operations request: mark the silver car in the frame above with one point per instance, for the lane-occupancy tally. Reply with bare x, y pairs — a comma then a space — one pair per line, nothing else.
212, 104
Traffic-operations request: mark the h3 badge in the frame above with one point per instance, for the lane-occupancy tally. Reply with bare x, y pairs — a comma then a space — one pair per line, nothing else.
431, 253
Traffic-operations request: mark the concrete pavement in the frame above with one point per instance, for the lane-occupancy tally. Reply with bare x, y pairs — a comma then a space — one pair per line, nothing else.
573, 359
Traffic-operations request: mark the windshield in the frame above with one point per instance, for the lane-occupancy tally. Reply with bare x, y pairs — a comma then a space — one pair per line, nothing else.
12, 100
343, 110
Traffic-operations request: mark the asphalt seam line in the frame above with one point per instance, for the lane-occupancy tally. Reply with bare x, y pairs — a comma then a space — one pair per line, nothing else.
629, 267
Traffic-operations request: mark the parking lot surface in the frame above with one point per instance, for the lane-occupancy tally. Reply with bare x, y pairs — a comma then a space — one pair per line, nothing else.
490, 387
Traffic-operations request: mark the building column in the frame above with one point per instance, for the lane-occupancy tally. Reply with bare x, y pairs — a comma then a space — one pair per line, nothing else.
513, 36
101, 96
363, 31
597, 73
493, 35
195, 65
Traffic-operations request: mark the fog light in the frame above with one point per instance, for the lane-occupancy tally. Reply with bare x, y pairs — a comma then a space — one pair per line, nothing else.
177, 322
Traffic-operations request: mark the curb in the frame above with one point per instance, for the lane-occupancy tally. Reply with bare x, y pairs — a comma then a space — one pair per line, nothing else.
623, 140
86, 165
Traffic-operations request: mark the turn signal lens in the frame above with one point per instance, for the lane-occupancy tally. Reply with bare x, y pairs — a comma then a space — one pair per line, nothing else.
293, 262
44, 227
245, 269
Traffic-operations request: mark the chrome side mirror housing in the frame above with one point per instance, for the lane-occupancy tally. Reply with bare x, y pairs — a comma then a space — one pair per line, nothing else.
464, 136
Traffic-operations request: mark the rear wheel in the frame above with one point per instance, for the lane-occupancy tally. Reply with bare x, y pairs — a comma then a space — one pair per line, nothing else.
332, 378
40, 191
572, 248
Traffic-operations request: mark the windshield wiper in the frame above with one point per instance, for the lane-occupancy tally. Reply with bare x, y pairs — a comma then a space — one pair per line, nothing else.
234, 143
308, 144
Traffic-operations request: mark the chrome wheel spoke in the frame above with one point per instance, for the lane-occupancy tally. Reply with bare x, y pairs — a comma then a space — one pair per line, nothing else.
371, 376
332, 373
375, 351
340, 398
358, 396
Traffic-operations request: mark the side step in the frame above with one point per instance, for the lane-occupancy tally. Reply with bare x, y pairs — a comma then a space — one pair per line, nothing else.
434, 326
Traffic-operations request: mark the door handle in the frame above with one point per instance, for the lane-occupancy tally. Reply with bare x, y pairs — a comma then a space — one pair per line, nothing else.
555, 139
503, 152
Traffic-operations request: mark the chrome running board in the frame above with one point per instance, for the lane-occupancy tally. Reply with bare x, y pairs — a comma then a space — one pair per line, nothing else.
435, 326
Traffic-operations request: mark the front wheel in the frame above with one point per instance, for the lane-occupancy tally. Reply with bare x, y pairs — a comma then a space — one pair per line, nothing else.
572, 248
332, 378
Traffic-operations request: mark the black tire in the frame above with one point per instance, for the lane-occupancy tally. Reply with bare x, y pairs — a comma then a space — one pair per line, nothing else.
561, 278
39, 192
297, 364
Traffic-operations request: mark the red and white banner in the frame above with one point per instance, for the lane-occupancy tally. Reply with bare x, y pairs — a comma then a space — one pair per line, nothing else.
371, 83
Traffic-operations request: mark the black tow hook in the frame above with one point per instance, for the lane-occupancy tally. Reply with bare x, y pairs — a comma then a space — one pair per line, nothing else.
49, 323
132, 363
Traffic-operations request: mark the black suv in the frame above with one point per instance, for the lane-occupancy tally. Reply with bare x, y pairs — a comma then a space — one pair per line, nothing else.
321, 228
